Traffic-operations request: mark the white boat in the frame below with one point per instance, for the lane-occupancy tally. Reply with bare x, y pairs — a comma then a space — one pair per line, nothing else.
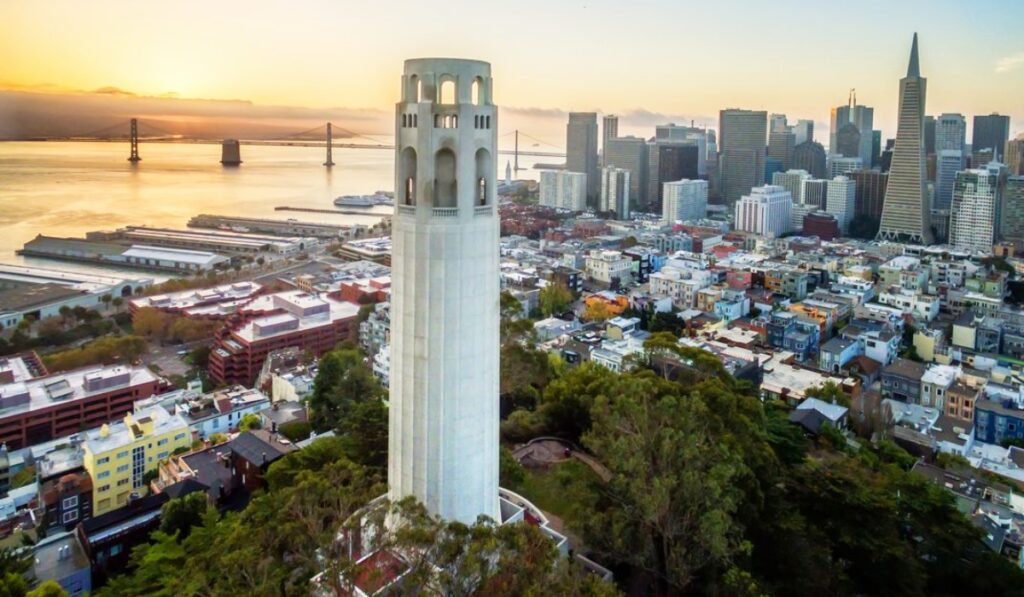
378, 198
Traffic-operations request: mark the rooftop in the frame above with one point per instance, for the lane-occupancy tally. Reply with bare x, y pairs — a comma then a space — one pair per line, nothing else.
178, 255
124, 433
26, 396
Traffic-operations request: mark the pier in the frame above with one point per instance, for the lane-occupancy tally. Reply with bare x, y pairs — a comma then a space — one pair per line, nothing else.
347, 212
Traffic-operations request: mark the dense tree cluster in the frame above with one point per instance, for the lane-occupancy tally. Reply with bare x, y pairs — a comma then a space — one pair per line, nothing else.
102, 351
166, 327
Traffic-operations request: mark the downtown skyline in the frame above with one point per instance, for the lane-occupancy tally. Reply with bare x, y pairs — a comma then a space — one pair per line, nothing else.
548, 60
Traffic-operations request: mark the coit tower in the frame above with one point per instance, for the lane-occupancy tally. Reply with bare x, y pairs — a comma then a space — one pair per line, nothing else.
443, 440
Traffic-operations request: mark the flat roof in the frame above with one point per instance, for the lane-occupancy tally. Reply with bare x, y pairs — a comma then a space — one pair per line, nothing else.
187, 299
172, 254
62, 388
120, 434
19, 299
336, 310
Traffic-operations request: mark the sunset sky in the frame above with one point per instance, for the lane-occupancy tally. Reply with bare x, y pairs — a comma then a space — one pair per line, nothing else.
675, 59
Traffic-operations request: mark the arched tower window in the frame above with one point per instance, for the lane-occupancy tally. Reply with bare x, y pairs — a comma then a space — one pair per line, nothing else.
412, 92
444, 181
483, 170
478, 91
407, 176
447, 95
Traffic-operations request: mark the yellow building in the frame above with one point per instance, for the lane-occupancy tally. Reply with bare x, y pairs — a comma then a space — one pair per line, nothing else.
118, 456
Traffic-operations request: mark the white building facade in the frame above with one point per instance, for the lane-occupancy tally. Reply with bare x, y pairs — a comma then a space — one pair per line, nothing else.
615, 191
973, 210
765, 211
684, 200
563, 190
443, 440
840, 200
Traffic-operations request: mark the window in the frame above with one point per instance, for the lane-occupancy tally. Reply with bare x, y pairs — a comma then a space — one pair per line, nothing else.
123, 468
162, 455
103, 475
103, 460
70, 516
124, 481
123, 454
104, 488
162, 442
180, 436
70, 502
115, 549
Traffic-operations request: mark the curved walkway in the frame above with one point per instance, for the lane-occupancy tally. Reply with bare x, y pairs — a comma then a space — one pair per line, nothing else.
547, 450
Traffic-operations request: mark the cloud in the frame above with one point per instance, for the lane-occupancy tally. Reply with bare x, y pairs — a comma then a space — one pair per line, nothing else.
112, 91
1010, 63
535, 112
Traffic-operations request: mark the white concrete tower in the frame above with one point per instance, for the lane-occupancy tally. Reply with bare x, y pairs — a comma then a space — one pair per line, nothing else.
443, 443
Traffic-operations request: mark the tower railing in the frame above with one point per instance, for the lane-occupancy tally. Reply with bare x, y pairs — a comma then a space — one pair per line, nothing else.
446, 212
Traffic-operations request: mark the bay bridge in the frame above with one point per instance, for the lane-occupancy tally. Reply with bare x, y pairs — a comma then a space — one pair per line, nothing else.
319, 136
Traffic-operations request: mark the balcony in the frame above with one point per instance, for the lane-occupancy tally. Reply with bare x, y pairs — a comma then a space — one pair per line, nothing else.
446, 212
483, 210
407, 209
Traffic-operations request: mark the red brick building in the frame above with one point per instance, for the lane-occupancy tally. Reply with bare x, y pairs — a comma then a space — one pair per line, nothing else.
293, 319
824, 226
38, 409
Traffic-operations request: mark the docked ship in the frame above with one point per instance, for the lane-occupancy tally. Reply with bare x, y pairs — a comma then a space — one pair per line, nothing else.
378, 198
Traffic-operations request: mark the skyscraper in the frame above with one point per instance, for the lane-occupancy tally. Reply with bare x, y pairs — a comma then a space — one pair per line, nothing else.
615, 191
671, 157
563, 190
792, 181
777, 123
1015, 156
629, 153
764, 211
840, 201
810, 156
906, 214
443, 438
1012, 216
741, 151
804, 131
950, 136
862, 117
781, 145
847, 141
929, 135
972, 215
581, 150
609, 130
870, 192
950, 132
991, 132
684, 200
876, 148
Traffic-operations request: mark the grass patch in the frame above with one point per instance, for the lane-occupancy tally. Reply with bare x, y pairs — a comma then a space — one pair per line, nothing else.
565, 490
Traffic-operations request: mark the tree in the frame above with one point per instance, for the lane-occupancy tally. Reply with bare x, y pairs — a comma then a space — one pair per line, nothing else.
23, 477
49, 588
199, 356
178, 516
597, 310
364, 431
295, 431
673, 486
342, 380
117, 302
555, 298
151, 322
829, 392
218, 438
249, 422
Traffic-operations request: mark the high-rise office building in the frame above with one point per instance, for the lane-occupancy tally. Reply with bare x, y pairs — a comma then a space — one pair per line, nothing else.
581, 150
906, 213
1015, 156
630, 153
847, 141
950, 132
870, 192
563, 190
777, 123
443, 417
929, 135
839, 165
609, 129
781, 145
804, 131
947, 163
814, 192
840, 201
792, 181
668, 161
862, 117
741, 151
765, 211
991, 132
684, 200
876, 148
688, 135
810, 156
1012, 215
615, 191
972, 216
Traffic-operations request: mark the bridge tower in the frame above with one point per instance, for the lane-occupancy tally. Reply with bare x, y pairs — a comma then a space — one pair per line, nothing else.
329, 162
134, 140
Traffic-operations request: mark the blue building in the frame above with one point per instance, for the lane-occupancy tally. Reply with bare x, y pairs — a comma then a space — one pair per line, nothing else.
788, 332
995, 422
